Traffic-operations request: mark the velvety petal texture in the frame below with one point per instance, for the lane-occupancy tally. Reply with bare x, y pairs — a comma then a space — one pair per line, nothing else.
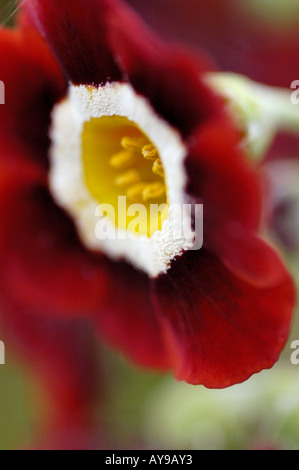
33, 84
46, 267
220, 328
157, 70
219, 314
168, 75
64, 280
222, 177
127, 318
76, 31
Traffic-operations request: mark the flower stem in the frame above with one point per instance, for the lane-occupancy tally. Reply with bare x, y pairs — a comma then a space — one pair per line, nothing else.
277, 105
260, 110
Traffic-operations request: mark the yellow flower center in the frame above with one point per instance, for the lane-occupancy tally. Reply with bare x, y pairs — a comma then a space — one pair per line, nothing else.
120, 160
109, 152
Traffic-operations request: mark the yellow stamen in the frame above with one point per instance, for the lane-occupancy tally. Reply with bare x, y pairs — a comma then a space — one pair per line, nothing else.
150, 152
119, 160
153, 191
128, 178
134, 144
123, 159
158, 168
135, 192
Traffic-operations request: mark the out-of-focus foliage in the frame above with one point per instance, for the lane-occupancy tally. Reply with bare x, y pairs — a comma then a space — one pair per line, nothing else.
260, 413
18, 408
8, 9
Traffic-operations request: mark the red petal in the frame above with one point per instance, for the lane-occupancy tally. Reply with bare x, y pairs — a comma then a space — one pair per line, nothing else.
231, 192
48, 271
127, 319
33, 84
46, 267
76, 32
17, 170
107, 34
167, 75
221, 177
250, 259
220, 328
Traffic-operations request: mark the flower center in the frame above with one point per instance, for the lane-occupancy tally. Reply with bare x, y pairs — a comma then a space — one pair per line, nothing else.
117, 168
119, 160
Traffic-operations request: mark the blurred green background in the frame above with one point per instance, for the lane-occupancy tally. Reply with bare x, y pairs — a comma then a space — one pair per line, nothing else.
7, 11
147, 410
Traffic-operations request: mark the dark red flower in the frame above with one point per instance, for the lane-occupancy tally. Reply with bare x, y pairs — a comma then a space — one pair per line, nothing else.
214, 316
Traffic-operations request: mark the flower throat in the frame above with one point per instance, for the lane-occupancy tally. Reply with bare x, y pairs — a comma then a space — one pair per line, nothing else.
119, 160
